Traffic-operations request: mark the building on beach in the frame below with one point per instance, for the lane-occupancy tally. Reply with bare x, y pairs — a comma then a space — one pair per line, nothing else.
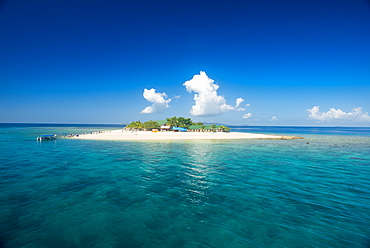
175, 126
207, 128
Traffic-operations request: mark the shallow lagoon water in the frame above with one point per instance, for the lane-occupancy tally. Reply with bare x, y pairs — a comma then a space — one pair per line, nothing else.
203, 193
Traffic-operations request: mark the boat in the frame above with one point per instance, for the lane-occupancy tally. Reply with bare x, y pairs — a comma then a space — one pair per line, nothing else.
46, 137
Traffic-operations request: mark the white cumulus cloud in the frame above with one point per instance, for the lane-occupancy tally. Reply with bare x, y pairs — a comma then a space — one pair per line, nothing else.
274, 118
207, 102
337, 114
246, 116
158, 100
238, 102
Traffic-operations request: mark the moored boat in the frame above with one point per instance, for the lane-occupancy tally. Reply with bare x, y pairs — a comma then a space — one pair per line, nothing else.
46, 137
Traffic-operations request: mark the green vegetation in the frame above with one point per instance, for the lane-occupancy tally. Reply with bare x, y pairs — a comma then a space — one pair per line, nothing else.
176, 122
179, 122
198, 123
213, 127
145, 125
151, 125
136, 125
225, 129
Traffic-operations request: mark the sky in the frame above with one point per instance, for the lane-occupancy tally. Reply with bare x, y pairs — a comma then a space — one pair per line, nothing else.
234, 62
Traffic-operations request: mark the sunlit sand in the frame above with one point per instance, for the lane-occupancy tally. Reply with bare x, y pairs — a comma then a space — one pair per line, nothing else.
146, 135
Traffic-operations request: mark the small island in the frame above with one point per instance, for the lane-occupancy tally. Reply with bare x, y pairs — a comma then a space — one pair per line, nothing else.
175, 124
175, 128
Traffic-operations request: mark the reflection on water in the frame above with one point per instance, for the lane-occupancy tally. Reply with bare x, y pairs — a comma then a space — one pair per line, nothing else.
198, 174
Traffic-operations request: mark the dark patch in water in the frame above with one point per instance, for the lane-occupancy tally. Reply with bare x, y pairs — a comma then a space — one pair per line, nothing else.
356, 158
125, 241
5, 177
80, 184
357, 190
19, 200
59, 170
73, 187
113, 193
124, 159
119, 199
367, 242
2, 243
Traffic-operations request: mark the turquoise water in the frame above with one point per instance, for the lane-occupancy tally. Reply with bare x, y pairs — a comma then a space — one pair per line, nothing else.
237, 193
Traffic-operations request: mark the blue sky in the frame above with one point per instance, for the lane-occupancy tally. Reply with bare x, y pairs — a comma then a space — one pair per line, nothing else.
89, 61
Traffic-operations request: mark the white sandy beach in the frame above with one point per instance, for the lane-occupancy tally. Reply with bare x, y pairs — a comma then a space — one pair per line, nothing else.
145, 135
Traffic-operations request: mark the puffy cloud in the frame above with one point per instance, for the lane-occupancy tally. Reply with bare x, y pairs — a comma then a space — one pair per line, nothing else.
274, 118
238, 102
158, 100
246, 116
207, 102
337, 114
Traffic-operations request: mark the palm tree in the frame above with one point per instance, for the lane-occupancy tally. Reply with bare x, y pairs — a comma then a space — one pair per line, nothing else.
135, 124
184, 122
173, 121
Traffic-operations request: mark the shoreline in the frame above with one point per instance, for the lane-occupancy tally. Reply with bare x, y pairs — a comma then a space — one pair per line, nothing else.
148, 135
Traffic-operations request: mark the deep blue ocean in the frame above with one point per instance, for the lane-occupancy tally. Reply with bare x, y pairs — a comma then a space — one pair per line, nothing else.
313, 192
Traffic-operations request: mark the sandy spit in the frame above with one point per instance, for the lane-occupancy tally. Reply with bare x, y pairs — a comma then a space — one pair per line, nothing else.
145, 135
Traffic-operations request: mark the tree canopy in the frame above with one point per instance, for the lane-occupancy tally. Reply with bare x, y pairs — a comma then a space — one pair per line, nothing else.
151, 125
179, 122
145, 125
174, 122
198, 123
136, 124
